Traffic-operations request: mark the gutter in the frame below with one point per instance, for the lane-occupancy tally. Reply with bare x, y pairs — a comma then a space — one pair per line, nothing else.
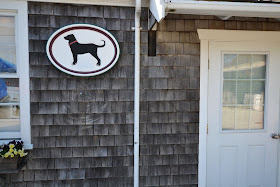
137, 92
122, 3
160, 8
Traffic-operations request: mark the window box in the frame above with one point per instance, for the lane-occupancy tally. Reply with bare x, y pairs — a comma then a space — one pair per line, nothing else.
12, 165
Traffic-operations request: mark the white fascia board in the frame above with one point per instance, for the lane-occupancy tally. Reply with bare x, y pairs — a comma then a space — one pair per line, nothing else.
238, 35
125, 3
223, 8
157, 7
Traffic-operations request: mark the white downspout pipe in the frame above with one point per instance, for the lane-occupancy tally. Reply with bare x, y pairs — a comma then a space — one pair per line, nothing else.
137, 92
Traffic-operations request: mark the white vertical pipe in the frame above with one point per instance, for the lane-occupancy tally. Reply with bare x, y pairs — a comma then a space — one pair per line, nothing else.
137, 92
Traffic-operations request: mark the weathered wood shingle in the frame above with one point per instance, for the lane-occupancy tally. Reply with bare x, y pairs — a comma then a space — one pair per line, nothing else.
82, 128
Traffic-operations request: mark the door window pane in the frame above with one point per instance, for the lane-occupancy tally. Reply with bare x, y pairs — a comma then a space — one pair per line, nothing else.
228, 117
229, 92
258, 88
256, 117
243, 94
258, 67
244, 66
230, 65
242, 117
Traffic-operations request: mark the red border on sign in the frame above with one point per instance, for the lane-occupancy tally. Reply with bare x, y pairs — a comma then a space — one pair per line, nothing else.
84, 28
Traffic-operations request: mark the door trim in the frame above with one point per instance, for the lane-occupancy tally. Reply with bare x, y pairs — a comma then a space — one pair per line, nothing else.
205, 36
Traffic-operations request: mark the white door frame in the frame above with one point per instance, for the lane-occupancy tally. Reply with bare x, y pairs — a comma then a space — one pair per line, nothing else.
205, 36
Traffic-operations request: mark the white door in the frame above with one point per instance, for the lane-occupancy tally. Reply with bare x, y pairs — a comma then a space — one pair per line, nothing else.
243, 113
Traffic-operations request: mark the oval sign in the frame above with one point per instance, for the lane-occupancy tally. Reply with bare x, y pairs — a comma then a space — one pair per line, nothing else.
83, 50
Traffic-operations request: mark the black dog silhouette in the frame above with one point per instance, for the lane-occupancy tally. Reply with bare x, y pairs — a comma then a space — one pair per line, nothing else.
78, 48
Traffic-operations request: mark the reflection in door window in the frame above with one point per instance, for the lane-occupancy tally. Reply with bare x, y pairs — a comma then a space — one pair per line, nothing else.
243, 91
7, 45
9, 79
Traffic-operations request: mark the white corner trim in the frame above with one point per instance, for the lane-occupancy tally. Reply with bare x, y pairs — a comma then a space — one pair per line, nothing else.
20, 11
238, 35
23, 48
203, 113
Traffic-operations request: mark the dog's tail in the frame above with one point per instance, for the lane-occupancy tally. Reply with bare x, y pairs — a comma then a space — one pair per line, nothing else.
102, 45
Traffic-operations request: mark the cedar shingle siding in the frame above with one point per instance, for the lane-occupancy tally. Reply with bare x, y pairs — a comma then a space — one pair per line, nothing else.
82, 128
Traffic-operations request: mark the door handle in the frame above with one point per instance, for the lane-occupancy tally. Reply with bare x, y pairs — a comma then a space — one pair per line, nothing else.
275, 136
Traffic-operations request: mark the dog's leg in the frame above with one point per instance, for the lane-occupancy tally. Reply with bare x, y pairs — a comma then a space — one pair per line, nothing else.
75, 57
97, 58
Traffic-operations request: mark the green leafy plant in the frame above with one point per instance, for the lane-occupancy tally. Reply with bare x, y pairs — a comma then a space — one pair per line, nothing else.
12, 149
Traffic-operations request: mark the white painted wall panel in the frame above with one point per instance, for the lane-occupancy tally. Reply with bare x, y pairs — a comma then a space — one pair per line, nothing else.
256, 165
228, 166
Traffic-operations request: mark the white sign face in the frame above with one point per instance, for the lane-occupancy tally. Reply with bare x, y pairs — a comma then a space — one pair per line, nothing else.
83, 50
